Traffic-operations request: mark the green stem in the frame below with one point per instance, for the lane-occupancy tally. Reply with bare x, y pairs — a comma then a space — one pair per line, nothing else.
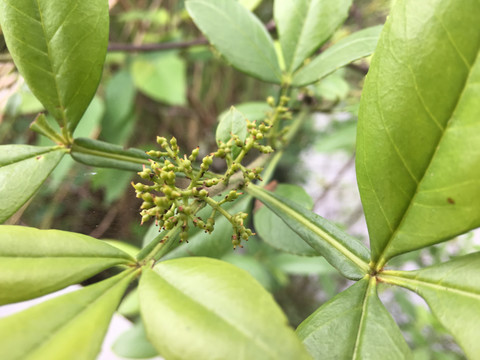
217, 207
273, 138
158, 247
275, 159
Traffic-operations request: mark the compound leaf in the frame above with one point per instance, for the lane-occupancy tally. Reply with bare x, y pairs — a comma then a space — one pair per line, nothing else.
36, 262
358, 321
238, 35
355, 46
452, 290
304, 25
23, 169
200, 308
419, 130
70, 326
59, 47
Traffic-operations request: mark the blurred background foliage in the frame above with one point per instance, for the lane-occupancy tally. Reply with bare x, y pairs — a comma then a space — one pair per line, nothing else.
162, 78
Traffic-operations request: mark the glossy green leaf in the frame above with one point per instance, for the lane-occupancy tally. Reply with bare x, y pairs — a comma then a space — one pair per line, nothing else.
347, 254
452, 290
233, 123
418, 133
59, 48
162, 77
355, 46
354, 325
304, 25
271, 228
23, 169
238, 35
37, 262
200, 308
134, 344
102, 154
217, 243
71, 326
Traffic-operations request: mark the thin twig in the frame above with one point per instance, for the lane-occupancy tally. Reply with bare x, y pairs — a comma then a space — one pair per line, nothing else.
114, 47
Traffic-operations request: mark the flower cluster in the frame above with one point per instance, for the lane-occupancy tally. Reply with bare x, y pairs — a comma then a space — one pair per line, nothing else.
172, 205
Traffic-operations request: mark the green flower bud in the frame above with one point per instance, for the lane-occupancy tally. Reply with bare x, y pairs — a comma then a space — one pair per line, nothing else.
161, 141
203, 193
232, 195
194, 154
147, 197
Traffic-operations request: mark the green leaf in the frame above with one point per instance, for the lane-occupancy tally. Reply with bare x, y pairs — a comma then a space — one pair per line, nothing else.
233, 123
304, 25
59, 48
71, 326
360, 44
452, 290
102, 154
418, 133
200, 308
253, 110
353, 325
37, 262
238, 35
117, 124
161, 77
23, 169
275, 232
134, 344
347, 254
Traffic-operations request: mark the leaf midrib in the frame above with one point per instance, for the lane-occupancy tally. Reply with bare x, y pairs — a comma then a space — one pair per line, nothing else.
403, 279
366, 298
359, 263
300, 35
57, 90
381, 259
31, 156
